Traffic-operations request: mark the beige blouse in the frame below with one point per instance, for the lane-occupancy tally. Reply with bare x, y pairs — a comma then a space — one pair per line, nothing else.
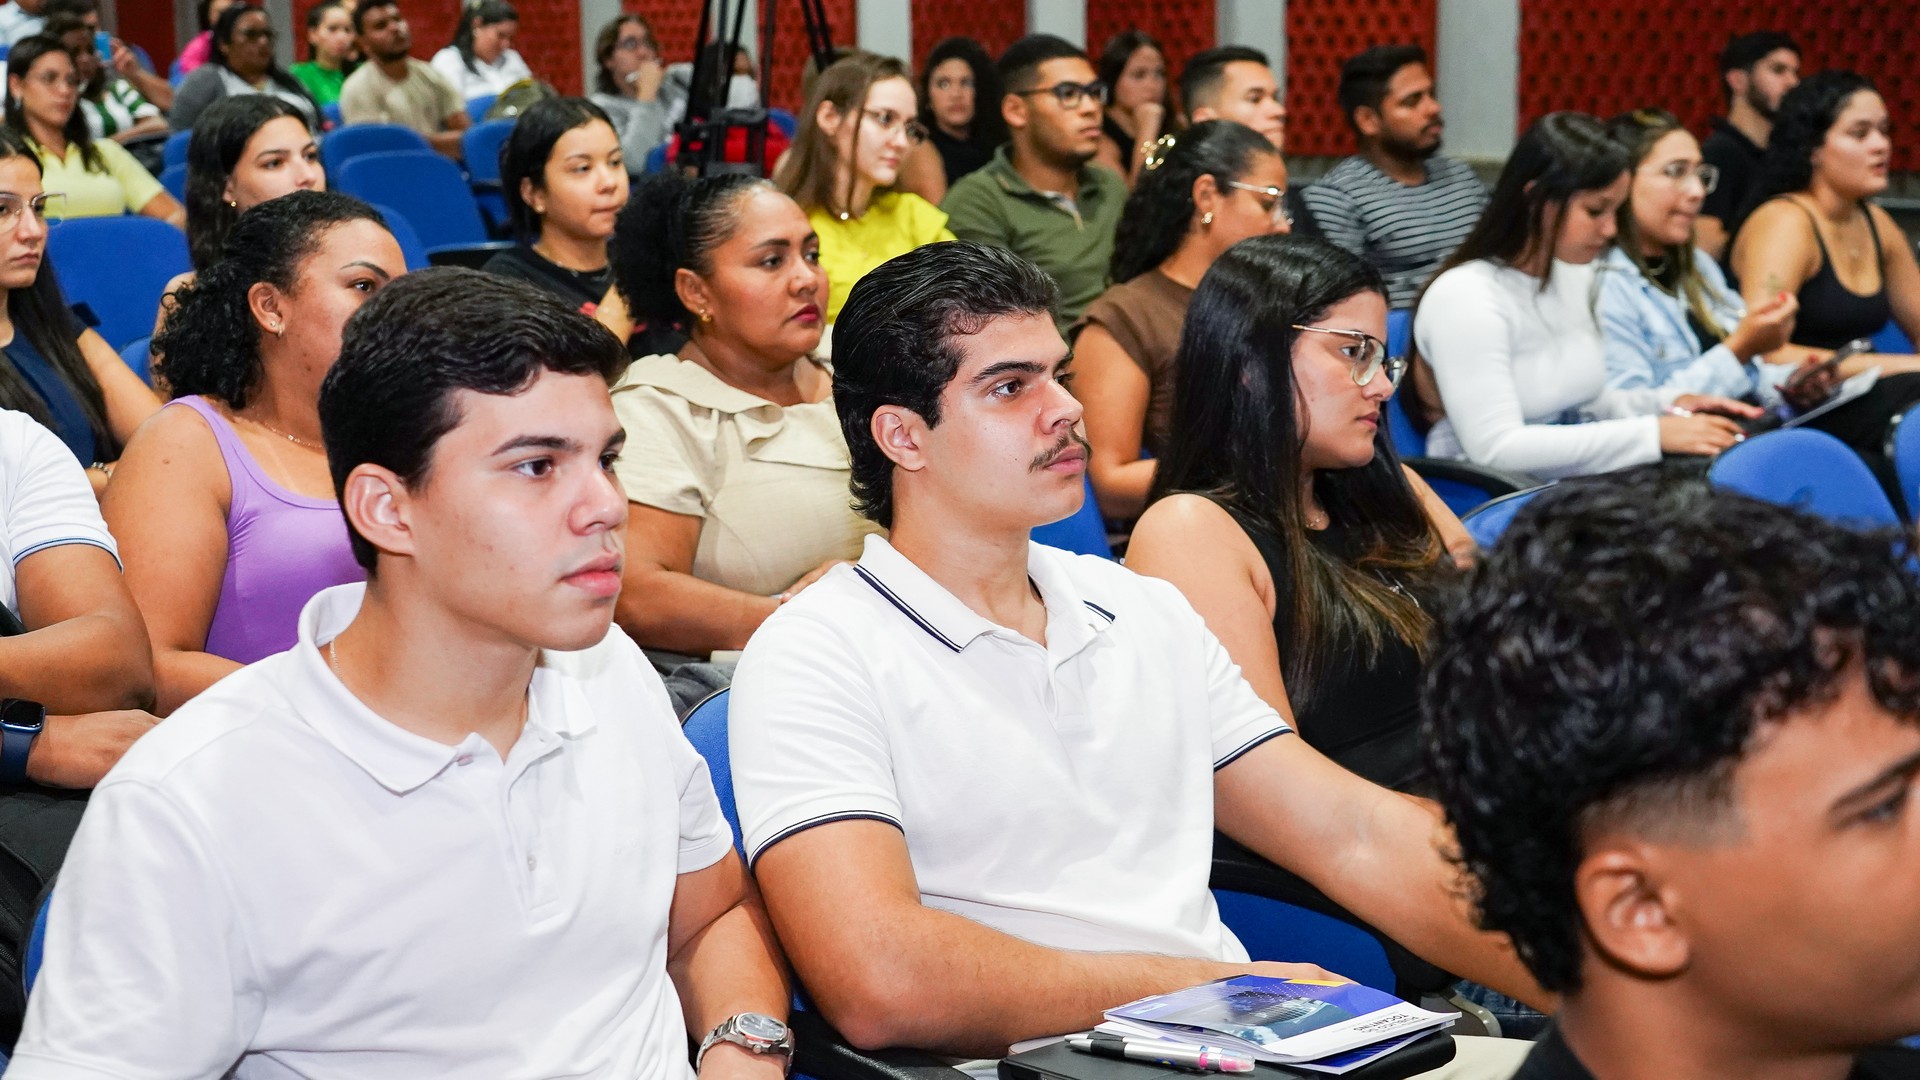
769, 483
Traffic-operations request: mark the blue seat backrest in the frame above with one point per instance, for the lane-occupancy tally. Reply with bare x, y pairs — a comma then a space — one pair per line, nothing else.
138, 355
706, 729
1809, 470
784, 120
657, 159
353, 140
1407, 440
1083, 533
1904, 449
118, 267
330, 112
1274, 930
480, 148
174, 179
477, 106
411, 249
425, 187
174, 150
1487, 521
36, 950
1892, 339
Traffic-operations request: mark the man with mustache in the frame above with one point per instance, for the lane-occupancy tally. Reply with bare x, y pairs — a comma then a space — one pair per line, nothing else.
978, 777
1756, 71
1398, 203
454, 831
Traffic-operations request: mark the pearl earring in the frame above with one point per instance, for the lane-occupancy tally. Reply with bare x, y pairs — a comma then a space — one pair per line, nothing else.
1206, 219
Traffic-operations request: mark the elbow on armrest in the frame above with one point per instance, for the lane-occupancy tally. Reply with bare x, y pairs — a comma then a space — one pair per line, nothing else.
864, 1003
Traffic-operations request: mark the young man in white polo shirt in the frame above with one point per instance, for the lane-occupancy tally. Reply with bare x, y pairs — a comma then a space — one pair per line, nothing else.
455, 831
979, 778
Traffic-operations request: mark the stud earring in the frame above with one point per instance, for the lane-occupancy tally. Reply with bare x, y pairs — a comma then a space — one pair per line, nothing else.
1206, 219
705, 316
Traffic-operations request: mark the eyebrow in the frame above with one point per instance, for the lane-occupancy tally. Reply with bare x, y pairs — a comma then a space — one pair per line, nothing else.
1904, 769
384, 276
1018, 367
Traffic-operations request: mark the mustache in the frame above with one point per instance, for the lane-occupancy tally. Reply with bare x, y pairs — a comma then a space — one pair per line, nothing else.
1068, 441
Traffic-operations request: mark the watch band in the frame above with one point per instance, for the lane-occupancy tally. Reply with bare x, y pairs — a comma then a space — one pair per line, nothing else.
730, 1030
20, 723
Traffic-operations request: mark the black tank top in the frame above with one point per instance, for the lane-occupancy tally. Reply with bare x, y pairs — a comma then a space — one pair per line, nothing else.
1365, 715
1831, 314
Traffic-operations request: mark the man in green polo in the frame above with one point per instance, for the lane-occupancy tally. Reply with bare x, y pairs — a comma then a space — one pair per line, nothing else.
1041, 196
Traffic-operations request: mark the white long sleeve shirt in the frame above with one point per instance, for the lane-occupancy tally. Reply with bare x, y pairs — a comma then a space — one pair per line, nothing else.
1522, 374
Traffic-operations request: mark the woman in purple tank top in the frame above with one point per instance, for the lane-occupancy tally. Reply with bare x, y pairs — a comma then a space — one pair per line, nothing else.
222, 503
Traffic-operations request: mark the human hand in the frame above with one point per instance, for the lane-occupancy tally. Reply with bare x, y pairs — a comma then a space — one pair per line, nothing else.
647, 79
1273, 969
1714, 403
1810, 384
124, 61
1703, 433
76, 751
1147, 119
808, 578
1765, 328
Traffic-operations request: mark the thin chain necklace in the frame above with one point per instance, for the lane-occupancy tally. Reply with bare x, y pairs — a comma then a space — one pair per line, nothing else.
287, 435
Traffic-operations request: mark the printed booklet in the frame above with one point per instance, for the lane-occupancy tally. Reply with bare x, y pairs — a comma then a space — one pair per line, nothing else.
1330, 1027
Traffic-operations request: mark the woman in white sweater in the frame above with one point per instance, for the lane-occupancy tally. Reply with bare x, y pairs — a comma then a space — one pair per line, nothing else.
481, 60
1512, 365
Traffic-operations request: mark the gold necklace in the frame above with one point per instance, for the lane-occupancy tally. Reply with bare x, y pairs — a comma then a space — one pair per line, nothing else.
287, 435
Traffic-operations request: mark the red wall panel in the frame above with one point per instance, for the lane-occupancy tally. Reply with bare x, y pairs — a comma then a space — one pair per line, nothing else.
995, 24
1630, 53
1321, 35
1182, 27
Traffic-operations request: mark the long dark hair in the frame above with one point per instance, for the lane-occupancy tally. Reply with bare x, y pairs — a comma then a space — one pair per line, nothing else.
20, 60
1679, 275
525, 154
223, 29
1159, 213
1807, 113
487, 13
210, 338
1113, 64
1237, 430
316, 15
987, 129
219, 139
40, 316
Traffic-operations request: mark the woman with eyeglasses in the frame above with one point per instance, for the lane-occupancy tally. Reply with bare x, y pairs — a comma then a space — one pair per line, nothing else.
1281, 512
242, 63
846, 156
94, 177
1509, 353
51, 368
1140, 109
1200, 193
631, 86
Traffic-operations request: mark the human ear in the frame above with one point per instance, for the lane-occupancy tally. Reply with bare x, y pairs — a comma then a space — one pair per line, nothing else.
1631, 910
1367, 121
1206, 196
827, 118
900, 433
1013, 109
528, 191
267, 305
1204, 113
378, 506
693, 292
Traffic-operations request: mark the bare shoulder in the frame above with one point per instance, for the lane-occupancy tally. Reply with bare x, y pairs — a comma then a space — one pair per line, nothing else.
172, 446
1174, 528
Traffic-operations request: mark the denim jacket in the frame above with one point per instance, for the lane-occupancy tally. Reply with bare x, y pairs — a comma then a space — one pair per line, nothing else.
1652, 352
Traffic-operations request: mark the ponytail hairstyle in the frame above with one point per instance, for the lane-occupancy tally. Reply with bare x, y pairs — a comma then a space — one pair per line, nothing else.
815, 160
486, 13
210, 338
1638, 131
20, 61
1159, 214
219, 139
672, 223
40, 316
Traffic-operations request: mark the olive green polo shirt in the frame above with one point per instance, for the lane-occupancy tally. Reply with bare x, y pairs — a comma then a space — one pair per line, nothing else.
1072, 242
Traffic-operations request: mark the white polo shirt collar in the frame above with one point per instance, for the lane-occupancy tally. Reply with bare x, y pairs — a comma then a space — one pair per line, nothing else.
397, 759
1074, 621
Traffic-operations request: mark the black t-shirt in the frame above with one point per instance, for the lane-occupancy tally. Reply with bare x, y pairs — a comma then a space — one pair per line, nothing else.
958, 156
1552, 1059
584, 288
1738, 159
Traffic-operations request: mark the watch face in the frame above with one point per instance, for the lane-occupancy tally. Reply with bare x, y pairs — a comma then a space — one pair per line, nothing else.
758, 1026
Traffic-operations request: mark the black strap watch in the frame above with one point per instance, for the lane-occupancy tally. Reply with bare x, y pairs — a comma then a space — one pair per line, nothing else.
758, 1032
20, 724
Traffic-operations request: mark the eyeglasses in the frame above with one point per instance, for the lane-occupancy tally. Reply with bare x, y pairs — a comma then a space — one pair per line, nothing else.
257, 33
1068, 94
1277, 209
51, 79
1678, 171
635, 44
44, 205
1367, 355
889, 122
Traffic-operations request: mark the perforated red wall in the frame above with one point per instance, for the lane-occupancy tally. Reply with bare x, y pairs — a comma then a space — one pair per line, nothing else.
1606, 59
1182, 27
995, 24
549, 36
1321, 34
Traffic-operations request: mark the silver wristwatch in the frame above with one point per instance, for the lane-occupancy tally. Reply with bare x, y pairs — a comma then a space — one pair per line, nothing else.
758, 1032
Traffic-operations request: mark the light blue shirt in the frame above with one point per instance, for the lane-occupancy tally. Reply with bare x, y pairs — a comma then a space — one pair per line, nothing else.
16, 24
1652, 353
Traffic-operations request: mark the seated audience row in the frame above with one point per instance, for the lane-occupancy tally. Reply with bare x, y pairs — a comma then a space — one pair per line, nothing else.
242, 62
96, 177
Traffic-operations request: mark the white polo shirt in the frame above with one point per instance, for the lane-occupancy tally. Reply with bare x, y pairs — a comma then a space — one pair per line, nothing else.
45, 500
278, 877
1062, 794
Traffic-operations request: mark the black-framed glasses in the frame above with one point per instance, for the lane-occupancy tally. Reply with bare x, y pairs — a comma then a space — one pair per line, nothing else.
1367, 356
1277, 209
1068, 94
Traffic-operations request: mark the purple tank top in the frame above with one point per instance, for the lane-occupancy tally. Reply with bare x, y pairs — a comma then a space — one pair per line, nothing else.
281, 549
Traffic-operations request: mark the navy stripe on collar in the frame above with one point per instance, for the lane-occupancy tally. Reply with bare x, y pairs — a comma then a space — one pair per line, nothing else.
867, 576
1100, 611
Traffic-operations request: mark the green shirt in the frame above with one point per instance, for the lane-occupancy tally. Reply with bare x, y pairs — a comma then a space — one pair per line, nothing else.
324, 85
1071, 241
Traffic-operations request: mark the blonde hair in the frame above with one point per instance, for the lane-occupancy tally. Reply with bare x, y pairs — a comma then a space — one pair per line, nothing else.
814, 161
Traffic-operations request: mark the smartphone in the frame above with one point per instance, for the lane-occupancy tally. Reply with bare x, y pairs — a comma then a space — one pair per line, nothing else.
103, 44
1845, 352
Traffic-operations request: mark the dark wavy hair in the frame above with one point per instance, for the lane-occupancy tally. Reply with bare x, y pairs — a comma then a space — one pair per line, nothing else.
484, 12
1235, 436
210, 338
410, 349
1807, 113
223, 30
987, 129
40, 316
896, 342
219, 140
20, 60
1159, 213
1618, 653
525, 154
672, 223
